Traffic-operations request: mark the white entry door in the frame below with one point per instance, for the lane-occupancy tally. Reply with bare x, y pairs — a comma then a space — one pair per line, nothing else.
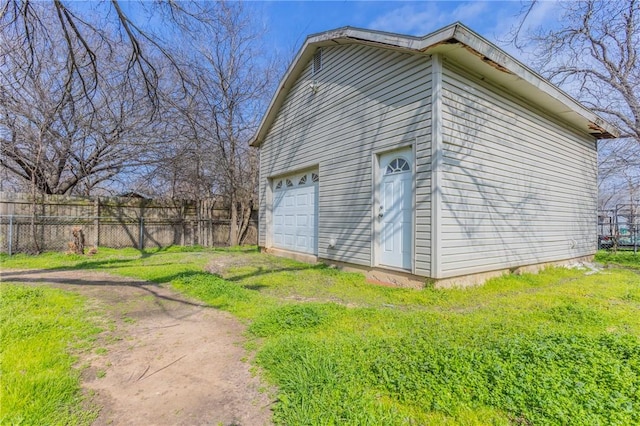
395, 210
295, 225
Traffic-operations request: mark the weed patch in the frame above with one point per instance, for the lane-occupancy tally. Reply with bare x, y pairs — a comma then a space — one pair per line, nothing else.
574, 313
218, 293
558, 347
40, 329
622, 257
292, 318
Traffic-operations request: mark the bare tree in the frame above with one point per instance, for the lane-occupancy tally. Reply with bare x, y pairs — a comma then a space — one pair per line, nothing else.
80, 86
595, 55
619, 173
79, 29
89, 95
233, 93
231, 78
55, 137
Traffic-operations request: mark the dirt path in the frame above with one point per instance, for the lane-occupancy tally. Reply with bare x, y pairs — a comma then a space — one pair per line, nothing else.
163, 359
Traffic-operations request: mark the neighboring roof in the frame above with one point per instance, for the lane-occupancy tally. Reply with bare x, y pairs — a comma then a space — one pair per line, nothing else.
133, 194
465, 47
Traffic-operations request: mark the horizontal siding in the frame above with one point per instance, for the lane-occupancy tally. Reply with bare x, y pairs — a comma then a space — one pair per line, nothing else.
360, 131
369, 100
518, 186
500, 184
368, 70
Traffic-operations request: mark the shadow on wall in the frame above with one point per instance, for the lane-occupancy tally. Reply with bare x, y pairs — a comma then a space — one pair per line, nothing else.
351, 114
508, 196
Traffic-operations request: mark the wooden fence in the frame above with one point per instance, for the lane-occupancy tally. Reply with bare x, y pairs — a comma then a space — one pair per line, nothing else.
46, 223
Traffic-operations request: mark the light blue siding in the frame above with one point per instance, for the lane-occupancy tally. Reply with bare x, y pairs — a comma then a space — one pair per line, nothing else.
518, 186
369, 100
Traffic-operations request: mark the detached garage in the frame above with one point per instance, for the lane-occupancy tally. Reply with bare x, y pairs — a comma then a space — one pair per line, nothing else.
441, 158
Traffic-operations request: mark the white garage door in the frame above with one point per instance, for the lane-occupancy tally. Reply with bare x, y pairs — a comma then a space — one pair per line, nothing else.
295, 223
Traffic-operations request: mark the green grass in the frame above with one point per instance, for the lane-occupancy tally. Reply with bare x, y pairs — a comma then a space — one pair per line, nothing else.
40, 330
621, 257
559, 347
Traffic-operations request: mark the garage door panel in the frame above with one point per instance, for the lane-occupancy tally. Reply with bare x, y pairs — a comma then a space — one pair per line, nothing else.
289, 239
302, 200
289, 220
302, 220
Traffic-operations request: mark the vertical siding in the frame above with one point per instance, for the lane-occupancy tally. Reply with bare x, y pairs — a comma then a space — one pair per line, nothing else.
369, 100
518, 187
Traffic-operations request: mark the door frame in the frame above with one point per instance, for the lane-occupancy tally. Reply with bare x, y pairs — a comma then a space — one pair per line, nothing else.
376, 184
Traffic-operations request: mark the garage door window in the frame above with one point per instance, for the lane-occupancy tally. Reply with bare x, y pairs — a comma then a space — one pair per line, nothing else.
303, 179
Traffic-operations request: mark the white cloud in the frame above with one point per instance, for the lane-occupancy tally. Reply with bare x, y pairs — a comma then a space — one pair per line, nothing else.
544, 14
423, 18
408, 19
494, 20
470, 12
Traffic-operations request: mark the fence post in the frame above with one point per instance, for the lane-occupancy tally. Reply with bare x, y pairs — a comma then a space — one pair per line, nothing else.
634, 218
10, 245
141, 238
96, 221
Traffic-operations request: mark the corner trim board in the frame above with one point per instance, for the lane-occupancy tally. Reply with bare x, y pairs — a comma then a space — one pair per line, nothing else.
436, 164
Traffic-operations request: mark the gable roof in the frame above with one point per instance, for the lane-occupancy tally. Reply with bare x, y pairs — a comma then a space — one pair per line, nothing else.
465, 47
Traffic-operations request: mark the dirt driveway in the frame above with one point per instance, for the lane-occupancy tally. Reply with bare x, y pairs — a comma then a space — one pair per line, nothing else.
163, 359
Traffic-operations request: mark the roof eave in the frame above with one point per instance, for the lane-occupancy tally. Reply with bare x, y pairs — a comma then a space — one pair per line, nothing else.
453, 34
597, 126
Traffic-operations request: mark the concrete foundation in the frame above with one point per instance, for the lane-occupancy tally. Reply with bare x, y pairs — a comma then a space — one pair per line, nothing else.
300, 257
481, 277
406, 280
382, 276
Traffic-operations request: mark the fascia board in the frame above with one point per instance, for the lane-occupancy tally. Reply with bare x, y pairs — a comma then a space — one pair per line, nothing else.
492, 53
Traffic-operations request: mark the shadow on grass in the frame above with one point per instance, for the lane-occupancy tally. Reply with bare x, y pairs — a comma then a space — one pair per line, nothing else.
255, 287
65, 277
205, 281
102, 264
111, 263
265, 270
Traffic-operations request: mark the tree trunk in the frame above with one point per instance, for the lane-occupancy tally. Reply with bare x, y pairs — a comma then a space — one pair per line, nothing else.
244, 223
233, 222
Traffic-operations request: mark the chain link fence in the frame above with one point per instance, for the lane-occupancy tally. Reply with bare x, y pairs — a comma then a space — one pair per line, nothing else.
619, 228
33, 234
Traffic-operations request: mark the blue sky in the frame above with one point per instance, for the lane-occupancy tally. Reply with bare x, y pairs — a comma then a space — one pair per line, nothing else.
289, 22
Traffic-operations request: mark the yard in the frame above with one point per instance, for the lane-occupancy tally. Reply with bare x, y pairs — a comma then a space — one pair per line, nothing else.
560, 347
